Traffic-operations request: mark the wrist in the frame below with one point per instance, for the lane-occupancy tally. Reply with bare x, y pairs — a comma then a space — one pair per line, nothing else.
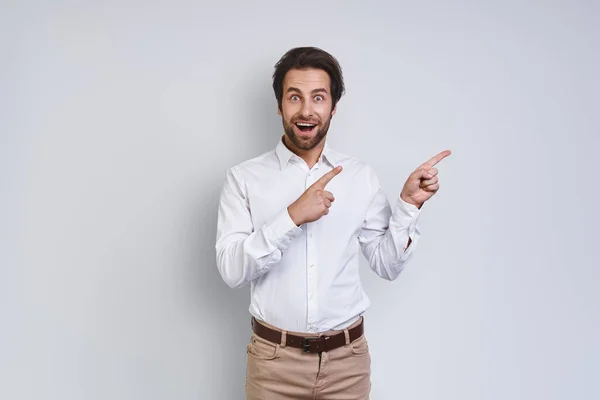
293, 215
408, 200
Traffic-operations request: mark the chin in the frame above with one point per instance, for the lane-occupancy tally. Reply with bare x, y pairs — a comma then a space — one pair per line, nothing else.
305, 140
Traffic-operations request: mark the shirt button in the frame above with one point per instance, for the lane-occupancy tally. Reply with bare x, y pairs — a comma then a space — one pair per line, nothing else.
312, 265
310, 235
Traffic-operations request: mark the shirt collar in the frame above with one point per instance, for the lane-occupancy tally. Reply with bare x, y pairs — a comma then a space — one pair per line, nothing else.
329, 155
284, 154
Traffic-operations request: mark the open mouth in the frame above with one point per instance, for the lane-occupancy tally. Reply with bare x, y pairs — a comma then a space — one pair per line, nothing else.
305, 127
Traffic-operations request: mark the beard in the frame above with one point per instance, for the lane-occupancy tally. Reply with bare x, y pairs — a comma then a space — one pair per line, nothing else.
306, 143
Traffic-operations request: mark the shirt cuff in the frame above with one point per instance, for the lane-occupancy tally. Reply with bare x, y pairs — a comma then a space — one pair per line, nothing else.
407, 208
282, 230
406, 216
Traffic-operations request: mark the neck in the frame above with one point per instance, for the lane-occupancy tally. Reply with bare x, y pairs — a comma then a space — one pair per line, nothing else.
311, 156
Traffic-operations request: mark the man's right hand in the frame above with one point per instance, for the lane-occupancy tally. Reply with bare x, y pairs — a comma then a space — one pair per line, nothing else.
315, 201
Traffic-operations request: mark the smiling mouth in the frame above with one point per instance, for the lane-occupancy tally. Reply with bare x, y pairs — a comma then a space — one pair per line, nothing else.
305, 127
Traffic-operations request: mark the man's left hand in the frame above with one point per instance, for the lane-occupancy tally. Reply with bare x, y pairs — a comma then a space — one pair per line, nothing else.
422, 184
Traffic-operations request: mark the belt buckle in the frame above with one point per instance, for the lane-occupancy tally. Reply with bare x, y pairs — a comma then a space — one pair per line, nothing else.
306, 343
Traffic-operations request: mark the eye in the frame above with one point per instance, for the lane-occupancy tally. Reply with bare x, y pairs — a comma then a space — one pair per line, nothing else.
319, 98
294, 98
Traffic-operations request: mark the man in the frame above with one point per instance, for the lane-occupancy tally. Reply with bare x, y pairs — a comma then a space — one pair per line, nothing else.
290, 224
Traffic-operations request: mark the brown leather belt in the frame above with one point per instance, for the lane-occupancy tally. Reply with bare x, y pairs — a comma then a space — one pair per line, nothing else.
314, 344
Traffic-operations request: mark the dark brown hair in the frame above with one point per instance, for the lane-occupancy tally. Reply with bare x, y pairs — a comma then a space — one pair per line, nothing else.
309, 57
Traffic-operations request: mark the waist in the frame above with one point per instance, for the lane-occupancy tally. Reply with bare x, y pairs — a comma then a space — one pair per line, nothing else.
309, 343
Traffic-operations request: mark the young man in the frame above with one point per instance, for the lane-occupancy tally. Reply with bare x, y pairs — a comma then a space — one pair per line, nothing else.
290, 224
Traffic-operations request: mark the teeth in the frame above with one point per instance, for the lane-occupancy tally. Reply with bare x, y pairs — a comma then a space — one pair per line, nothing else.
301, 124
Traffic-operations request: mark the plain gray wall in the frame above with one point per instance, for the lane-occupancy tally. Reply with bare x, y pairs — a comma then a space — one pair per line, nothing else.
119, 119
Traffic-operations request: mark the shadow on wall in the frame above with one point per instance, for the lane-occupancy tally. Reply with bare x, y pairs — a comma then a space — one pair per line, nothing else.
223, 314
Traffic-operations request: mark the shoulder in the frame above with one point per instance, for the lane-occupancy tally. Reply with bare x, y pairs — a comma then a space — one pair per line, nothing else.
254, 166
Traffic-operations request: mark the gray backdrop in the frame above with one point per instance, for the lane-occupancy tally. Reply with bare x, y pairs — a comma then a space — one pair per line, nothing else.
119, 119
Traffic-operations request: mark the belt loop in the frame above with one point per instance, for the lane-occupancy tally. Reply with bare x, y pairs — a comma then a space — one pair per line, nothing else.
283, 338
347, 335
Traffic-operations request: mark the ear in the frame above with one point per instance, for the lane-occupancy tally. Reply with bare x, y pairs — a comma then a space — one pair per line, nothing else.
334, 110
278, 110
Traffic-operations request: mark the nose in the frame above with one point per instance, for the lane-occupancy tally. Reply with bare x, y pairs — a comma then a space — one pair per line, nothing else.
306, 109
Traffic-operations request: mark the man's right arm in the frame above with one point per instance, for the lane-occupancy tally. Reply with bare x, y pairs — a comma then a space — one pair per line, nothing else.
244, 254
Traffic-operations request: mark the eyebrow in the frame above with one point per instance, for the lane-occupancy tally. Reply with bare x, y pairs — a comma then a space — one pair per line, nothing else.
293, 89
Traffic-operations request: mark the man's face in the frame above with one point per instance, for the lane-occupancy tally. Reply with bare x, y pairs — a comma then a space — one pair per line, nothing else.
306, 107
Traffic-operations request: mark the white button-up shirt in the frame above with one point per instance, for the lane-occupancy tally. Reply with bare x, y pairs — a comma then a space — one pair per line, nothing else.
306, 278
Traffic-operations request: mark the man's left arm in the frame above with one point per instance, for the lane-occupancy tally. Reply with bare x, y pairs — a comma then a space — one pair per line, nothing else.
388, 239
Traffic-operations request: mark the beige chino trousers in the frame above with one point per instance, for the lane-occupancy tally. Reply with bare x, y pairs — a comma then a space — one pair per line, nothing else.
278, 372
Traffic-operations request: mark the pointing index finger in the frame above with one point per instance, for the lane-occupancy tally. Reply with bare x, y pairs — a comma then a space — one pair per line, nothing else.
437, 159
324, 180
